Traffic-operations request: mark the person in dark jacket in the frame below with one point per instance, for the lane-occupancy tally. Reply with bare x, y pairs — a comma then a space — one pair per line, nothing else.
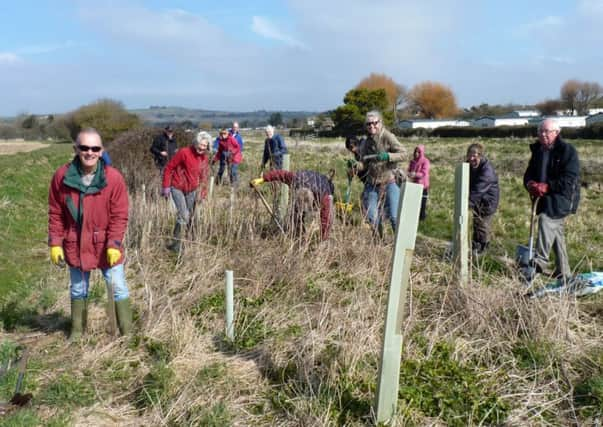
311, 191
87, 220
274, 149
163, 148
484, 193
553, 176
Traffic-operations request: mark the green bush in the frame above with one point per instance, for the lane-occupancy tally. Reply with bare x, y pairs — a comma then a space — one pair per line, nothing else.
107, 116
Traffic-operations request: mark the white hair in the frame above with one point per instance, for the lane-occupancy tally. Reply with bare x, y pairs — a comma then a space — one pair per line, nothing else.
554, 125
202, 136
373, 115
269, 129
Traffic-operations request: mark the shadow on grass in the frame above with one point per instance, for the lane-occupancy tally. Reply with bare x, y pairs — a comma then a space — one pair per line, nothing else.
344, 399
15, 316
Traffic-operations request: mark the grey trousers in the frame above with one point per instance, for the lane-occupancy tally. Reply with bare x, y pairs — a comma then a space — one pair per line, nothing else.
185, 205
551, 234
481, 230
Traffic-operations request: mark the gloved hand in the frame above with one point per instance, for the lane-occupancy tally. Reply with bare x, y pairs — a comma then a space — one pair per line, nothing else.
165, 192
56, 255
352, 163
383, 157
533, 188
543, 188
256, 181
113, 255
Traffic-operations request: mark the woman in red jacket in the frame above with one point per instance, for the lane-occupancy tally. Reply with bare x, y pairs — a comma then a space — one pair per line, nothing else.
229, 150
87, 219
186, 177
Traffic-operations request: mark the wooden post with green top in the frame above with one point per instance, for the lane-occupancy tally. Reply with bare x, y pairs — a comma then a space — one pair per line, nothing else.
284, 193
391, 351
460, 237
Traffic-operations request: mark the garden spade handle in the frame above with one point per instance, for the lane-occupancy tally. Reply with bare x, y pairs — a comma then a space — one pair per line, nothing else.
532, 220
22, 368
267, 206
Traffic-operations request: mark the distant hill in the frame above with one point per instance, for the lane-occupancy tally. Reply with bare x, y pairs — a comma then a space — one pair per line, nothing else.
163, 115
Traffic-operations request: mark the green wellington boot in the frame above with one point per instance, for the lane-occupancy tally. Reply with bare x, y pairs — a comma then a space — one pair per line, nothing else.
123, 310
79, 318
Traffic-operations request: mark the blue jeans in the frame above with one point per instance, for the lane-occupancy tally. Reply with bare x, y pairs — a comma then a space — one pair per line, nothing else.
185, 205
234, 171
80, 282
381, 201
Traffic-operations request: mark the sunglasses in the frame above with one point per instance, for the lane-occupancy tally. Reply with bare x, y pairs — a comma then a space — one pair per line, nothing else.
85, 148
375, 123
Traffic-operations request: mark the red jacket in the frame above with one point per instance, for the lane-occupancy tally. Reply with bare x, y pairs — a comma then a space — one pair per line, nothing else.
187, 171
229, 145
102, 211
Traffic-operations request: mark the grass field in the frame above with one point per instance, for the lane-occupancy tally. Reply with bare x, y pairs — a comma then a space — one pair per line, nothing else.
309, 316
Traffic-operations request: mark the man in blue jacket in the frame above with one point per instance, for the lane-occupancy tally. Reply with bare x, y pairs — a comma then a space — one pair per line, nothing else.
274, 149
553, 176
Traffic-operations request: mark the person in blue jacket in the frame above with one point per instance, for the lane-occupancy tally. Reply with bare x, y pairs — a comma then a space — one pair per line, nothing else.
274, 149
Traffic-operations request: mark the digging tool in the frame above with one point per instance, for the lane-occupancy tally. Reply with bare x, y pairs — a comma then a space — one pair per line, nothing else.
111, 307
345, 206
18, 398
269, 209
526, 254
369, 157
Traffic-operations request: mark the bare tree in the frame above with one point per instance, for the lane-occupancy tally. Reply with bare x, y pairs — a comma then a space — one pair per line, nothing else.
589, 92
569, 93
548, 107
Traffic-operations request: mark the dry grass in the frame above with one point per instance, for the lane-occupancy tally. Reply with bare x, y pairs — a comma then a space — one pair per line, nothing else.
309, 319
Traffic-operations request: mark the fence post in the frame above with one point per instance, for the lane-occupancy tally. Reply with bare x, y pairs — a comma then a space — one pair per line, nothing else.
229, 299
460, 237
284, 194
386, 399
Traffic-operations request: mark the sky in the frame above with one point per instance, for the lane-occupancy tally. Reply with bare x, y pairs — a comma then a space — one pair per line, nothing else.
288, 55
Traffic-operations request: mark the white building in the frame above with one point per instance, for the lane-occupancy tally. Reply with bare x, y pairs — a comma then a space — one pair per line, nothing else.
489, 122
431, 123
595, 118
524, 113
566, 121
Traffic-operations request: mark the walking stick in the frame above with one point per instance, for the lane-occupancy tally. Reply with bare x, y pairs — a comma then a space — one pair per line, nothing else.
269, 209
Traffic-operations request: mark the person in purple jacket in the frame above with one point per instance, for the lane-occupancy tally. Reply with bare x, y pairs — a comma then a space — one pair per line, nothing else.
484, 193
418, 172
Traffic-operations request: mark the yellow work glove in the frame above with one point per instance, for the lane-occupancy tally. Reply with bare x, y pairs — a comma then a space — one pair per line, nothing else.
256, 181
113, 255
56, 255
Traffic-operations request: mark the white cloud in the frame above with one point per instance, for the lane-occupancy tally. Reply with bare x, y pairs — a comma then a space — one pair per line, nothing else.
265, 28
9, 58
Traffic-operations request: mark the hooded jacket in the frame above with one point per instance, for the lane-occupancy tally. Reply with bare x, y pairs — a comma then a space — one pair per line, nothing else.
420, 167
86, 220
562, 176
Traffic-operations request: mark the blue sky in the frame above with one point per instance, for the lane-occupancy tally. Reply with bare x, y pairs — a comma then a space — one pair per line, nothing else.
288, 55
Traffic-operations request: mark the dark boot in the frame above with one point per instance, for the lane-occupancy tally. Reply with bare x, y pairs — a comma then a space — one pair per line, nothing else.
175, 245
79, 317
123, 311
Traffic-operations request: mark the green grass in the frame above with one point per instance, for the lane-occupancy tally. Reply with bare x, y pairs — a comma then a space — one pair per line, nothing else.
24, 181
